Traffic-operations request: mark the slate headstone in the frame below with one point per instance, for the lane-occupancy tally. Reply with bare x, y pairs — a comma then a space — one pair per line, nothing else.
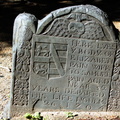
67, 61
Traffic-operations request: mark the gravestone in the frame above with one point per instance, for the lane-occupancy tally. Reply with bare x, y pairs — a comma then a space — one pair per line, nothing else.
67, 61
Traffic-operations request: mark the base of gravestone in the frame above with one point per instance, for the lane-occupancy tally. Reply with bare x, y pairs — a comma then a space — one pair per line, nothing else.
78, 116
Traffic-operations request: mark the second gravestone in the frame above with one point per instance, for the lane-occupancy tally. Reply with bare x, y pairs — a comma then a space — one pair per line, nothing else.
67, 61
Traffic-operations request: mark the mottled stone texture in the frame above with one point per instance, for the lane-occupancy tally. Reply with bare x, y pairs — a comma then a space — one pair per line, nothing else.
67, 61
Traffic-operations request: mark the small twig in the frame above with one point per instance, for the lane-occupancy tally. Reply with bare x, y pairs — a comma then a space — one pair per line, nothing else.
8, 69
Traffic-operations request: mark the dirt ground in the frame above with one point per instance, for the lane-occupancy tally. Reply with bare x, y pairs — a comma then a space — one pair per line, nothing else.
8, 12
5, 74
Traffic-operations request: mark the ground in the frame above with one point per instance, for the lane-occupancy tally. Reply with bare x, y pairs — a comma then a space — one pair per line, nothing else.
13, 10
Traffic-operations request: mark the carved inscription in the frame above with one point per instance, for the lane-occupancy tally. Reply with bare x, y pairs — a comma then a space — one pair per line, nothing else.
90, 68
81, 77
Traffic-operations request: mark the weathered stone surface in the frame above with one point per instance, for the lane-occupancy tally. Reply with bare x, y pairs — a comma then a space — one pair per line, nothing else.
67, 62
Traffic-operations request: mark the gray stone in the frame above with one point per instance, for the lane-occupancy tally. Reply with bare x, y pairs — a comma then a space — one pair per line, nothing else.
67, 61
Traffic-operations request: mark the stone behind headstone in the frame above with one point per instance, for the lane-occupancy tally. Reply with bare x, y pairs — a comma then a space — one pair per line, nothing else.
67, 61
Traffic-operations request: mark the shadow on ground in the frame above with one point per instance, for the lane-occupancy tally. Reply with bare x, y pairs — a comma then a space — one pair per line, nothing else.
40, 8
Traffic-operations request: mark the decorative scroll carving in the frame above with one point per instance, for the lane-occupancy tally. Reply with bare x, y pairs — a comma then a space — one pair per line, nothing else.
22, 39
114, 99
22, 75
